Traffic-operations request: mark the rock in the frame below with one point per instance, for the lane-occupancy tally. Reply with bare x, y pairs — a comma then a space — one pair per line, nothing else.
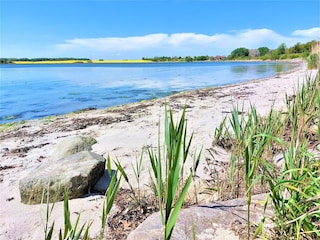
224, 220
104, 182
278, 160
71, 145
78, 173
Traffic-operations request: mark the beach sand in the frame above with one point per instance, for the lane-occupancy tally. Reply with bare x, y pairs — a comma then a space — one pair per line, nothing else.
121, 132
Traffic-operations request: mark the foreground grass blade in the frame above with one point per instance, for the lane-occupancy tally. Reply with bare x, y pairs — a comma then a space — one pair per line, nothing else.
171, 189
175, 213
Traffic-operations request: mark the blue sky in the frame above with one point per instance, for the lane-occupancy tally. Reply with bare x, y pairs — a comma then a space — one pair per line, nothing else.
132, 29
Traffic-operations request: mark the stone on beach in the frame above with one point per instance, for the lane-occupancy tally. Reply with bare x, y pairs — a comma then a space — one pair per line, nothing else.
77, 173
72, 144
222, 220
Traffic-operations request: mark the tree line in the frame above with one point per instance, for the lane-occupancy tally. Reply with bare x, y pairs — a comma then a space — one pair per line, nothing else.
282, 52
184, 59
299, 50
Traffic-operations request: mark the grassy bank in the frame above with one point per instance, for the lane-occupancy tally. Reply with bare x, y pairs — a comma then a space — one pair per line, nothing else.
278, 154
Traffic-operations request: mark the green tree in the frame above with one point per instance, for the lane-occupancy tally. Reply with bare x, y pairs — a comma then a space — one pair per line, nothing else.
201, 58
188, 59
240, 52
263, 50
296, 48
274, 55
281, 49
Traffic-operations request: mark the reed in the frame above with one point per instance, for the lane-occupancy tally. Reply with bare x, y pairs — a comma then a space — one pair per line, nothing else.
169, 186
110, 196
70, 231
294, 189
295, 193
135, 193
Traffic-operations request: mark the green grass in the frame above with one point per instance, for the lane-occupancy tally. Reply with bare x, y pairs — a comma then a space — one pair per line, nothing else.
110, 196
294, 190
70, 231
136, 193
169, 184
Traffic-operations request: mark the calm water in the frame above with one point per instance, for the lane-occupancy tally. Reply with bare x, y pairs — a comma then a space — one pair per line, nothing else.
35, 91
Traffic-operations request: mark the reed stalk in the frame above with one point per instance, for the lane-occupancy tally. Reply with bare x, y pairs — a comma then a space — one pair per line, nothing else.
170, 189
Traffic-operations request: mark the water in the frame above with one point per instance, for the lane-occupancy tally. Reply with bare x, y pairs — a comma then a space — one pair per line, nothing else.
35, 91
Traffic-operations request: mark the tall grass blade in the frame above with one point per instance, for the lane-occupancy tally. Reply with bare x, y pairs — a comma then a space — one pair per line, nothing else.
175, 213
171, 188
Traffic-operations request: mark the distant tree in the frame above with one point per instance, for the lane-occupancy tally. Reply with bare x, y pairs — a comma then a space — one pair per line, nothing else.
263, 51
188, 59
274, 55
281, 49
5, 61
306, 48
240, 52
296, 48
201, 58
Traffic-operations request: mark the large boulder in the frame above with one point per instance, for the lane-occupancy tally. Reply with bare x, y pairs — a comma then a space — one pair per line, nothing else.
223, 220
71, 145
77, 173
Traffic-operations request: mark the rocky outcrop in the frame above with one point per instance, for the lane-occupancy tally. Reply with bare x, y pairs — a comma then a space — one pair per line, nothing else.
77, 173
71, 145
224, 220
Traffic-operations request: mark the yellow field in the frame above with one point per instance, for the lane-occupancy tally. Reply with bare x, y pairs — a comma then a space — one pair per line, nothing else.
81, 61
121, 61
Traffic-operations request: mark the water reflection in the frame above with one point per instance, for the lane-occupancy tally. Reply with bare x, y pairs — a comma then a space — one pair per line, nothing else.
30, 91
239, 69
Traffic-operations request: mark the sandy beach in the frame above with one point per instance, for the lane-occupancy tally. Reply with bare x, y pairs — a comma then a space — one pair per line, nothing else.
121, 132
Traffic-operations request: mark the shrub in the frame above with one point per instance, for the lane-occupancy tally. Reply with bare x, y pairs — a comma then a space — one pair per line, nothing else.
313, 61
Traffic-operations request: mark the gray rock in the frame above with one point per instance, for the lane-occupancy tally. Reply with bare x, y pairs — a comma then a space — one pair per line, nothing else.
77, 173
278, 160
224, 220
104, 182
71, 145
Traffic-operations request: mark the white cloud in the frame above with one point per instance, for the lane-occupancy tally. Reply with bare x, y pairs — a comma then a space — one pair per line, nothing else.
114, 43
312, 32
180, 44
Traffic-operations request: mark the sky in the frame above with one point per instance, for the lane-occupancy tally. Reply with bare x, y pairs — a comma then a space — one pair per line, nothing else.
132, 29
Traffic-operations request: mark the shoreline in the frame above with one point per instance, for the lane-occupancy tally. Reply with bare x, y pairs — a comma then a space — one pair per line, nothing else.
121, 132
